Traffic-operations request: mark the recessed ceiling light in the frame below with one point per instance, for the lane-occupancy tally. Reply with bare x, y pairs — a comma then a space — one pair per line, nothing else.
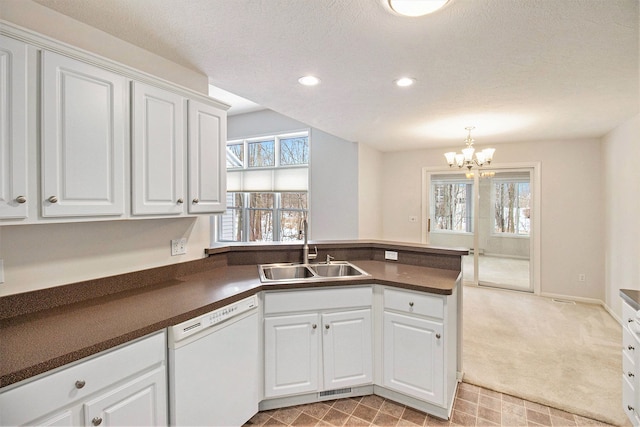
309, 80
405, 81
416, 7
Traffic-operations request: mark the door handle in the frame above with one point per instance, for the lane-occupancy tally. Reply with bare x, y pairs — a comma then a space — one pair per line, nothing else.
429, 225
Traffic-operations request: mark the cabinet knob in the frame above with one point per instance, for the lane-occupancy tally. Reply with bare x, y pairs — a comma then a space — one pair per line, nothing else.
314, 326
411, 304
180, 201
21, 199
438, 336
96, 421
631, 347
53, 199
629, 320
80, 383
196, 201
630, 374
629, 407
327, 326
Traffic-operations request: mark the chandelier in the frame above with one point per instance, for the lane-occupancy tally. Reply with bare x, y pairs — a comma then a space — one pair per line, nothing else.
466, 158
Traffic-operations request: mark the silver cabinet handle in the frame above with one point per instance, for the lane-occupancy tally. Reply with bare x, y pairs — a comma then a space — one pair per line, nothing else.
53, 199
96, 421
21, 199
79, 384
327, 326
438, 336
411, 304
314, 326
180, 201
196, 201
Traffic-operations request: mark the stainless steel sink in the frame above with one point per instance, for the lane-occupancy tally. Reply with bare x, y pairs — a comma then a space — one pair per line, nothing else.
336, 269
292, 272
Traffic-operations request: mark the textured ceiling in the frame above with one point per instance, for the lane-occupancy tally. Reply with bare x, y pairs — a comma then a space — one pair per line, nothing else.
517, 70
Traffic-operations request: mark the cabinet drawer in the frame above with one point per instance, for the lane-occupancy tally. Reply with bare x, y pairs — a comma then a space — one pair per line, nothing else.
630, 345
36, 398
628, 398
414, 303
628, 316
629, 370
317, 299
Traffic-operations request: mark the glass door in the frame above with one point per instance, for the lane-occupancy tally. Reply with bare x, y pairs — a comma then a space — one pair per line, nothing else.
489, 212
504, 229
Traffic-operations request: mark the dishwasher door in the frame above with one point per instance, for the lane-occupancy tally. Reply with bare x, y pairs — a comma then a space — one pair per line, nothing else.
214, 375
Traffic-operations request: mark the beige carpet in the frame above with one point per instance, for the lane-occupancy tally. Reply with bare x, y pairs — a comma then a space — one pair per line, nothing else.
563, 355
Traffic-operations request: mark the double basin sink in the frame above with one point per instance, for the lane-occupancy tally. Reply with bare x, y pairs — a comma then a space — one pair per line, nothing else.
293, 272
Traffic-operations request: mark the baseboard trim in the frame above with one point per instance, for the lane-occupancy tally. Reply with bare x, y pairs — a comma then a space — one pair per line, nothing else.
586, 301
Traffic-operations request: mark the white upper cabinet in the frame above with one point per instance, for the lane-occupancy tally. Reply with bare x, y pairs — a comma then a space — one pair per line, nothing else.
83, 139
207, 158
13, 134
158, 146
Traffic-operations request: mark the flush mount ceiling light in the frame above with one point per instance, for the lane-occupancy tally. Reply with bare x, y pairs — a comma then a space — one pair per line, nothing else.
405, 81
415, 7
309, 80
466, 158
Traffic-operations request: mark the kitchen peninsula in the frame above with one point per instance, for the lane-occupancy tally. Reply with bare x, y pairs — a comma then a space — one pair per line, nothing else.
43, 331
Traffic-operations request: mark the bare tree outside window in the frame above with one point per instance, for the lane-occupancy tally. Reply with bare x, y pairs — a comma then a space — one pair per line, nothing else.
512, 207
452, 207
262, 154
294, 151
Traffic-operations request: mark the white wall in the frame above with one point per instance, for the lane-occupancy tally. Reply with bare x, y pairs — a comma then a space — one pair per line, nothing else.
41, 256
369, 195
621, 197
333, 171
571, 207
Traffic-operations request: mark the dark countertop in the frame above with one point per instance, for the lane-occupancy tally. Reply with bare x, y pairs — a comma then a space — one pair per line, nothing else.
38, 342
632, 297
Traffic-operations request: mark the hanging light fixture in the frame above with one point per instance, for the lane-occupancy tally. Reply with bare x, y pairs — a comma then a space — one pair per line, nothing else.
466, 159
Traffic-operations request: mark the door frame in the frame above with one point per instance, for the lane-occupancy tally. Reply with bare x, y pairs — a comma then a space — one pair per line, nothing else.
535, 222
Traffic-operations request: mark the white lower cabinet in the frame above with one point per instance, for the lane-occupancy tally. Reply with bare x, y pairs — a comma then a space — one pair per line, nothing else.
323, 349
126, 386
414, 357
419, 341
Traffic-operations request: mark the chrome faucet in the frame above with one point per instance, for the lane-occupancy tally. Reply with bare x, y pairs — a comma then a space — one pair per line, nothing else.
305, 247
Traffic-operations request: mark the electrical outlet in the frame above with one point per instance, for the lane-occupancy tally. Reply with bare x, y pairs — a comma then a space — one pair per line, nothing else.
391, 255
178, 246
581, 278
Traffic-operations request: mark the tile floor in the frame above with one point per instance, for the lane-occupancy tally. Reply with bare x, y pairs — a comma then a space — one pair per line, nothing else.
474, 406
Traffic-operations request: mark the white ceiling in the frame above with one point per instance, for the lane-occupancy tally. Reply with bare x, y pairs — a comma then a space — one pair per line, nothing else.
517, 70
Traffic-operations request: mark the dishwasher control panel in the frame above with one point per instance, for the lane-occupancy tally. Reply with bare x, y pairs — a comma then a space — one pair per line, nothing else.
197, 324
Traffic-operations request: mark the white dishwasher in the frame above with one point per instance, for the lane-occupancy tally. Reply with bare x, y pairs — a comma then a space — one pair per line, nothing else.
214, 367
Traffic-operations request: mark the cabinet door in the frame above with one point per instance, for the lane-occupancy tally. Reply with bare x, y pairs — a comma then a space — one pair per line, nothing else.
158, 151
291, 354
347, 348
413, 360
207, 158
13, 133
83, 139
140, 402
